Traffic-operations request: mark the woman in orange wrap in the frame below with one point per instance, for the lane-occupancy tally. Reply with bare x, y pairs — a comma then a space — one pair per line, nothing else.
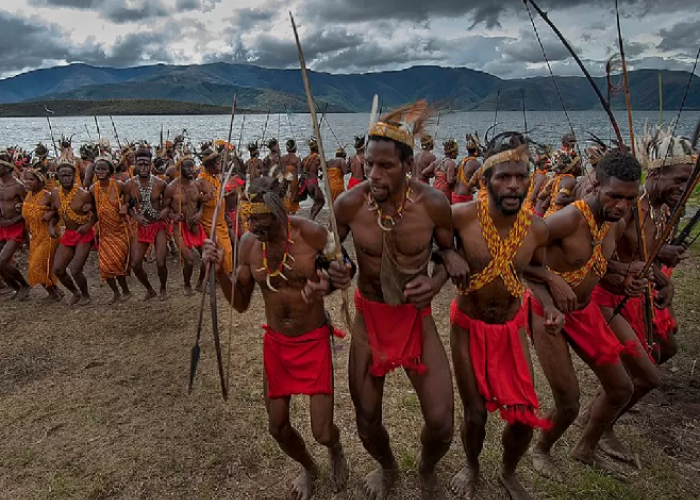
36, 211
115, 230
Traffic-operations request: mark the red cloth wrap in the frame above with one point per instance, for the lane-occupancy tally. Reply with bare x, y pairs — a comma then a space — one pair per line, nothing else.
73, 238
303, 185
588, 329
664, 323
232, 216
352, 182
633, 311
190, 239
13, 232
500, 367
298, 365
147, 234
461, 198
395, 335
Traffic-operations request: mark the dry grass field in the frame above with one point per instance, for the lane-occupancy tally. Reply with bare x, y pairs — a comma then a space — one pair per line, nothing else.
94, 405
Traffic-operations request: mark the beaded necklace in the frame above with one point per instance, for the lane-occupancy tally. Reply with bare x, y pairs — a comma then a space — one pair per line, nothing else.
283, 263
146, 203
66, 201
374, 207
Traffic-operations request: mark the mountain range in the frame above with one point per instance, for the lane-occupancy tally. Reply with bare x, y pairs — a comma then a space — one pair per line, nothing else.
263, 89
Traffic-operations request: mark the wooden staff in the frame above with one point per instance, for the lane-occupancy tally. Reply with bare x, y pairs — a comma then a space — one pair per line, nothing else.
211, 275
324, 167
625, 79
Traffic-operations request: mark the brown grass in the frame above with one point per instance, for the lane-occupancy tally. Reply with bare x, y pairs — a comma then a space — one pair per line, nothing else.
95, 405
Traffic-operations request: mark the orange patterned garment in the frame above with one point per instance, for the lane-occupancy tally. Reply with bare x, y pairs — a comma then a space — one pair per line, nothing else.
41, 246
222, 236
115, 233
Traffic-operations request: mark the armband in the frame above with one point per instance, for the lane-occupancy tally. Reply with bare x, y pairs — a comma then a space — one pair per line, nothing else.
565, 191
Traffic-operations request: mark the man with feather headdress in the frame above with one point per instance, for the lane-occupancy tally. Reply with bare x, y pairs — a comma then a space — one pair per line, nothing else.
466, 169
394, 220
541, 156
287, 256
356, 163
669, 161
560, 190
424, 159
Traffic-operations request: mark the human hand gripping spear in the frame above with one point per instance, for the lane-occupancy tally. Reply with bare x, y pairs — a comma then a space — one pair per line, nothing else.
211, 275
324, 169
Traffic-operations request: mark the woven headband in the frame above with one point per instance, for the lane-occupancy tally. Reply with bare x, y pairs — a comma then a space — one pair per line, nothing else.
393, 132
249, 208
518, 154
673, 160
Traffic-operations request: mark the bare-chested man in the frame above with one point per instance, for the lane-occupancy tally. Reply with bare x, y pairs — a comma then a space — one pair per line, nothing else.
444, 170
254, 166
144, 196
489, 318
560, 191
125, 166
337, 168
280, 254
183, 198
394, 220
12, 193
541, 157
272, 162
356, 163
466, 169
292, 172
664, 186
66, 153
584, 187
582, 240
88, 153
236, 185
74, 205
424, 159
308, 183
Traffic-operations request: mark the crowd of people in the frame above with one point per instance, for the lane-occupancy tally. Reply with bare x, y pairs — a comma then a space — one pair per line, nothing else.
541, 246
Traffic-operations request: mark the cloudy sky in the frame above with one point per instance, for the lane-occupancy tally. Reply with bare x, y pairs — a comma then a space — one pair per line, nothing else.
344, 36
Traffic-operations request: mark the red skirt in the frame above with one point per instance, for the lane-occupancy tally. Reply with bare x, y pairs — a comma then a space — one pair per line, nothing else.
13, 232
352, 182
147, 234
588, 330
298, 365
461, 198
633, 311
500, 367
190, 239
73, 238
395, 335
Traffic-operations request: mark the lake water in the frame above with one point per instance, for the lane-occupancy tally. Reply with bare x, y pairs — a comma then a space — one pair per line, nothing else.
546, 127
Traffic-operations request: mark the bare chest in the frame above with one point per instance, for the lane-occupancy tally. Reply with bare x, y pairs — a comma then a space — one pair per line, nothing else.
273, 266
409, 239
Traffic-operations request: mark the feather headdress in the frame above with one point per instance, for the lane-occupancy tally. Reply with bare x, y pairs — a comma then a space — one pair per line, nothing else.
404, 124
658, 148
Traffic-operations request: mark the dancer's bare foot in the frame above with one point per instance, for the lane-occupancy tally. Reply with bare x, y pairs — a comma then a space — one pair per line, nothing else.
429, 485
465, 483
22, 293
600, 463
115, 298
543, 464
303, 486
379, 482
149, 295
84, 301
163, 295
513, 487
199, 287
339, 469
125, 296
611, 445
74, 299
188, 291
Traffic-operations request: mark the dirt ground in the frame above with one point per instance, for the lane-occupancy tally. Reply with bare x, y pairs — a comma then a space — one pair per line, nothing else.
94, 404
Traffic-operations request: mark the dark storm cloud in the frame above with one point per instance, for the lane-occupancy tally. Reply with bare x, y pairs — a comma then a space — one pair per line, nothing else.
248, 18
182, 5
118, 13
683, 36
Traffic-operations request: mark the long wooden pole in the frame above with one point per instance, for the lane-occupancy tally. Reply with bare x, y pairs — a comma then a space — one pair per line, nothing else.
626, 81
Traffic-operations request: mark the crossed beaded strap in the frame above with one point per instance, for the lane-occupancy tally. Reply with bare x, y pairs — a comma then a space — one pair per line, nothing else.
597, 262
66, 210
502, 251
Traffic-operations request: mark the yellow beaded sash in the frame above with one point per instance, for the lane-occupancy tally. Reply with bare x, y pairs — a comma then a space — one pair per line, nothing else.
65, 209
596, 262
502, 251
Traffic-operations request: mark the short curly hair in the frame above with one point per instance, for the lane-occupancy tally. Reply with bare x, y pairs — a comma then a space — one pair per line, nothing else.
620, 165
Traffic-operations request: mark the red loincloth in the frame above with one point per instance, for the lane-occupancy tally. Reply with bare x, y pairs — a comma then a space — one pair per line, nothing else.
147, 234
352, 182
73, 238
633, 311
395, 335
500, 367
298, 365
461, 198
13, 232
190, 239
664, 323
303, 186
587, 329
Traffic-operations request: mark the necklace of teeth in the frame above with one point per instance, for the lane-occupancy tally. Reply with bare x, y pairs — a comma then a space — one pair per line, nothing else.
283, 264
391, 220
